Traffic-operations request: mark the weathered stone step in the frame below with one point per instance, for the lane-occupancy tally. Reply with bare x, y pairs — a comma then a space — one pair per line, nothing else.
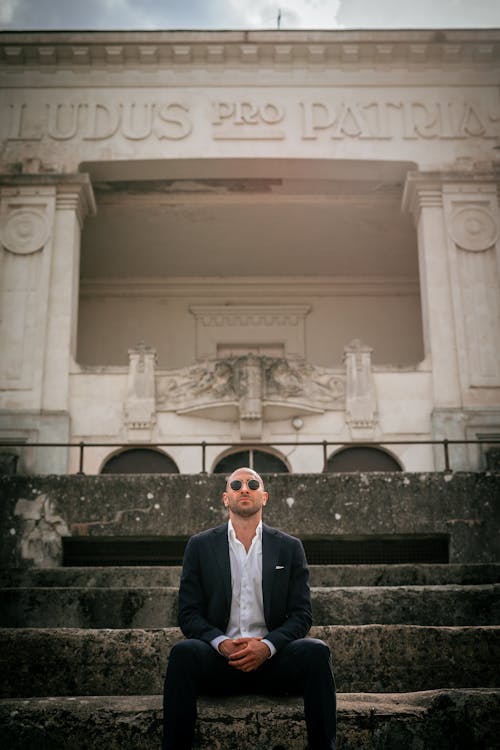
367, 658
157, 607
321, 575
434, 720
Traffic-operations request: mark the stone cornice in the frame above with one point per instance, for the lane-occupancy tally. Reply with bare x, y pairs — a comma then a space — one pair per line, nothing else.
338, 48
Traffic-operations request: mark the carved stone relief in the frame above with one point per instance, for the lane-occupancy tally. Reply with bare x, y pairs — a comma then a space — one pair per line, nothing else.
250, 388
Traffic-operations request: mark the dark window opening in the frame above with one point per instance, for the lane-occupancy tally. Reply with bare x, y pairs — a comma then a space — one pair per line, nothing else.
431, 548
260, 461
104, 551
362, 458
140, 461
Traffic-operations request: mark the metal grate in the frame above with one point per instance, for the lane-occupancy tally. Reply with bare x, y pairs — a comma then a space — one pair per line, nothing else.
103, 551
372, 551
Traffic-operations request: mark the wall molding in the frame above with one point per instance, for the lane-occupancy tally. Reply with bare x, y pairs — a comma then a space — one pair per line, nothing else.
256, 287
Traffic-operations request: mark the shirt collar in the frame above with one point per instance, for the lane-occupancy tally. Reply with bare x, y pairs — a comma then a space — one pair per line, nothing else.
232, 534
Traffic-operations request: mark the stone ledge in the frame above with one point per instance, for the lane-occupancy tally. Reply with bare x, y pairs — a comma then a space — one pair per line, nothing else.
156, 607
367, 658
320, 575
406, 504
444, 720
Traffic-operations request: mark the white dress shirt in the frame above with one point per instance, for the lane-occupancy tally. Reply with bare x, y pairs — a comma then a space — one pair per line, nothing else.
246, 618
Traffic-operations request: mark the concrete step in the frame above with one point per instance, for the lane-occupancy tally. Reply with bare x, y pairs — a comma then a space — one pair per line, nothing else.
157, 607
430, 720
321, 575
367, 658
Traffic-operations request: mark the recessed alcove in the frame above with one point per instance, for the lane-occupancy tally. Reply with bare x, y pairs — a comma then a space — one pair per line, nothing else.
172, 235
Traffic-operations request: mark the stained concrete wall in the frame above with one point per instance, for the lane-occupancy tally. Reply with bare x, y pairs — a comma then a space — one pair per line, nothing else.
37, 512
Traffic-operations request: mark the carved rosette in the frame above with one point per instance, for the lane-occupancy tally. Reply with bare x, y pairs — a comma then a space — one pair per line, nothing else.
474, 228
25, 231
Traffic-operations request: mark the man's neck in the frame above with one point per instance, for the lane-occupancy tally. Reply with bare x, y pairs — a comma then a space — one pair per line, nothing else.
245, 528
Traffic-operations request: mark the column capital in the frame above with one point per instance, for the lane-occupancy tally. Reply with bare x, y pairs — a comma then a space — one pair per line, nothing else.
426, 189
72, 191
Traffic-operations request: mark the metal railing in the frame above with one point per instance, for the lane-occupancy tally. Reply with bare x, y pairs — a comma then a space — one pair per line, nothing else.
445, 443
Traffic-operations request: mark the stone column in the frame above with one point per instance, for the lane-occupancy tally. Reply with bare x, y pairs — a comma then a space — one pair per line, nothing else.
41, 218
457, 219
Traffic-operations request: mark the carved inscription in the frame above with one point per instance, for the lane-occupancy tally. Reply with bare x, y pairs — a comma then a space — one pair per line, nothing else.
97, 122
246, 120
251, 119
383, 120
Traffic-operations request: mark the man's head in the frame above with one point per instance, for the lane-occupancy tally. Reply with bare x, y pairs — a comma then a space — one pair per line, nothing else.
244, 495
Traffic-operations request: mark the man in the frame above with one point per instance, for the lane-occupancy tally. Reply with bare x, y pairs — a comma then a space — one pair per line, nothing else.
245, 609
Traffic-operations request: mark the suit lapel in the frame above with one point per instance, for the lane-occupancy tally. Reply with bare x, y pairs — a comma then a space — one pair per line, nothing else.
220, 546
270, 555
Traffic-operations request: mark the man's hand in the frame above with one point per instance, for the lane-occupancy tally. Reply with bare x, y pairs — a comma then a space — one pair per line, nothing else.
228, 647
247, 654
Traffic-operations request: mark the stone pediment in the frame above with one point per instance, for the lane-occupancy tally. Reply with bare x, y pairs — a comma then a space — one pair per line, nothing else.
251, 387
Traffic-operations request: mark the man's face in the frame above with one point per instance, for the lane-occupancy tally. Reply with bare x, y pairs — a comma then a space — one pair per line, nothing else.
244, 501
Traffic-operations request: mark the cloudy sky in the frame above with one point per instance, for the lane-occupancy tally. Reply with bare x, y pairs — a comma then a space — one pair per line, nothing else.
247, 14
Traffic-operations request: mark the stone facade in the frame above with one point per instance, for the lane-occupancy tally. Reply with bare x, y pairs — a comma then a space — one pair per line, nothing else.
293, 224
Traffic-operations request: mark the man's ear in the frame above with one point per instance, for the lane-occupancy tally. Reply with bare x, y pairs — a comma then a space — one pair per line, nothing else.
264, 498
225, 499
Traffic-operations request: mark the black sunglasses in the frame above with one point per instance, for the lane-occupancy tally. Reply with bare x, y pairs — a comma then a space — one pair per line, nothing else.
237, 484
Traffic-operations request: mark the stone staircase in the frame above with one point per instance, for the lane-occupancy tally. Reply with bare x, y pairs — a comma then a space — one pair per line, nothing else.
416, 647
416, 651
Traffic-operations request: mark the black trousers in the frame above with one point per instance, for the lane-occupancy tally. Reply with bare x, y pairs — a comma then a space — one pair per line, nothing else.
302, 667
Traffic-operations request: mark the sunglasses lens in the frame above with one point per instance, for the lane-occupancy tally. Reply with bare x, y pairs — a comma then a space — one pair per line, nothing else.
237, 484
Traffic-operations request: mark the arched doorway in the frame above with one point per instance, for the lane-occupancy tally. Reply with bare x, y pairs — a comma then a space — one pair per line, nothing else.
362, 458
262, 461
140, 461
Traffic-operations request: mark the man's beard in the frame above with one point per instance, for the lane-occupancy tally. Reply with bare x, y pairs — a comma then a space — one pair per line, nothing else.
245, 512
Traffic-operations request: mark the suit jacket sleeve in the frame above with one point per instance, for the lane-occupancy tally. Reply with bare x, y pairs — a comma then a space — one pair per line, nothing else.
203, 606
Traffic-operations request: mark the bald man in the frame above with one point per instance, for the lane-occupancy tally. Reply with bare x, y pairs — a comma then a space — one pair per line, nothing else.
245, 609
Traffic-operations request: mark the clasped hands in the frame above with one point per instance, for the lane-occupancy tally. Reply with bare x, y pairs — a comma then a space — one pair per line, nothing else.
245, 654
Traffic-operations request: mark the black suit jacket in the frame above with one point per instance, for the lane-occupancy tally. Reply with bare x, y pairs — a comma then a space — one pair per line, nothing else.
205, 589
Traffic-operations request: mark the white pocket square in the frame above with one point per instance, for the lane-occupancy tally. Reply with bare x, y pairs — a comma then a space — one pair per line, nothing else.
280, 567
